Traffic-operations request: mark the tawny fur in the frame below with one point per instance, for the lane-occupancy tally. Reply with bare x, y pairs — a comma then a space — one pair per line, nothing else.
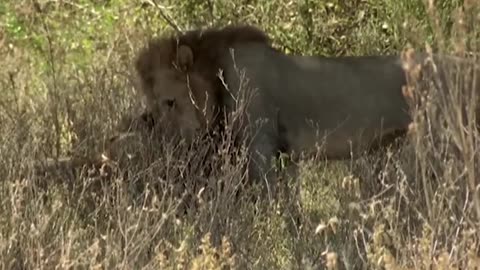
207, 47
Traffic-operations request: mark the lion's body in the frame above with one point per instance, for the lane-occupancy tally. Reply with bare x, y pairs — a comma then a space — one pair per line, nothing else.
341, 106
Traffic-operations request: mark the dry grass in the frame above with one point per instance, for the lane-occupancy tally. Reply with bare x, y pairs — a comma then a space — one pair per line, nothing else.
167, 205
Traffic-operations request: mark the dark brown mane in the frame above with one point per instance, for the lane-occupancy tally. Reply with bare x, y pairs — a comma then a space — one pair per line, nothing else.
206, 45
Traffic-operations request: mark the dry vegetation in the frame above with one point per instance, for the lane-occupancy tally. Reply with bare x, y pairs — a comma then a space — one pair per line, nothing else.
67, 82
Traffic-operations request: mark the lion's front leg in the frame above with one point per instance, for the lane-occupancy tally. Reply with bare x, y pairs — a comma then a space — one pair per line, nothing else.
263, 150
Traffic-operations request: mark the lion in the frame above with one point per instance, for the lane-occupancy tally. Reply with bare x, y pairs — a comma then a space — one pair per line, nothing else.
297, 104
163, 61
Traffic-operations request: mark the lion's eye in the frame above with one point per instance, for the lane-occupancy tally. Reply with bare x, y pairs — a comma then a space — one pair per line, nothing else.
170, 102
147, 117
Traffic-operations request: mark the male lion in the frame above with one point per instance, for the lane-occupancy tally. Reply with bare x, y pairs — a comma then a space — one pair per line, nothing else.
296, 104
162, 67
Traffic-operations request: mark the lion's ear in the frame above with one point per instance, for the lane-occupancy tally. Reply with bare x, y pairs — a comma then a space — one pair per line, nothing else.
184, 57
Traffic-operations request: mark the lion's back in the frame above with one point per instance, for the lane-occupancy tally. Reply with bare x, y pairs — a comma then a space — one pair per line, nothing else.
343, 96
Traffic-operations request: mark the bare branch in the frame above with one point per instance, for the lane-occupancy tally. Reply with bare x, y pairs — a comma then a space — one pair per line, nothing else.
167, 18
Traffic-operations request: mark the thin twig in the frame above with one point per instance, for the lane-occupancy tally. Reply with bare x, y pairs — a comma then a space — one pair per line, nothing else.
167, 18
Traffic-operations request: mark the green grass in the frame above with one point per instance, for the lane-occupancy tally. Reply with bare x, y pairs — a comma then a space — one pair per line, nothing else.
67, 80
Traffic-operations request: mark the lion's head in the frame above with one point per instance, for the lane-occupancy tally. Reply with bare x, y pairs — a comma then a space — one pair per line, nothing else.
179, 75
177, 97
